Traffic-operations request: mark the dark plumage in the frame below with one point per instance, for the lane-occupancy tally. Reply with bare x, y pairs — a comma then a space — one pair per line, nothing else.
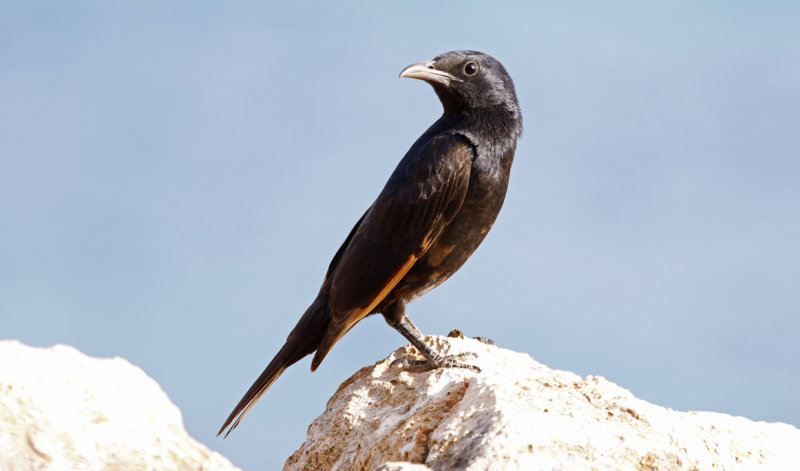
434, 211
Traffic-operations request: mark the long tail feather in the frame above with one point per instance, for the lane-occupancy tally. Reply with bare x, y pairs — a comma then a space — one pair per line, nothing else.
259, 387
303, 340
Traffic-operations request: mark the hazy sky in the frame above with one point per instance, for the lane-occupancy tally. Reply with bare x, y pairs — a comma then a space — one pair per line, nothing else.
175, 177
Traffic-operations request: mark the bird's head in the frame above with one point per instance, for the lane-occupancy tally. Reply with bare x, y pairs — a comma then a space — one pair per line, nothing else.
467, 80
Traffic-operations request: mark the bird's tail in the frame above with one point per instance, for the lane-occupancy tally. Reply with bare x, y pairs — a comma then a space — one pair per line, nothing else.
303, 339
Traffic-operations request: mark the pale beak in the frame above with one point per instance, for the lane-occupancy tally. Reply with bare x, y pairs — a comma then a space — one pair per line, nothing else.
427, 72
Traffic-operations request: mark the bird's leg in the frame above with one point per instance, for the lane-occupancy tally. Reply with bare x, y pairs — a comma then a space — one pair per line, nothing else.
395, 316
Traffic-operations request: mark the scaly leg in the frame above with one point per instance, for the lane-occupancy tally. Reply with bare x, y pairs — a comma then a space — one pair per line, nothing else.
395, 317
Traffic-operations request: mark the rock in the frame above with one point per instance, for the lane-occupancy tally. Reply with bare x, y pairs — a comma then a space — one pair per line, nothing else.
517, 414
62, 410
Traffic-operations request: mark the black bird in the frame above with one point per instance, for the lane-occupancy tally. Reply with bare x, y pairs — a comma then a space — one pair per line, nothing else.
434, 211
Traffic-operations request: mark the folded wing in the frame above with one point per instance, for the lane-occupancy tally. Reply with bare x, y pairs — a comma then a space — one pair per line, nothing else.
422, 196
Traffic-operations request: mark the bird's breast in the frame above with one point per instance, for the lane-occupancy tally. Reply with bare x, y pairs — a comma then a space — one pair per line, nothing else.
465, 232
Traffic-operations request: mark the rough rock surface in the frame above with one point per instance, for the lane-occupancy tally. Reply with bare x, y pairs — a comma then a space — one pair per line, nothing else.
517, 414
62, 410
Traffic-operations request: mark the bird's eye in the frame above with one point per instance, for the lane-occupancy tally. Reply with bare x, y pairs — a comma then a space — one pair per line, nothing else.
471, 68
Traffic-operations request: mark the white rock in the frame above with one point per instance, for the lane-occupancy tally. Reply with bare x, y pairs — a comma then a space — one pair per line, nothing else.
517, 414
62, 410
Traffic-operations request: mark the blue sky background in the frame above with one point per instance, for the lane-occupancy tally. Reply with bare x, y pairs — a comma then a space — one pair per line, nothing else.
174, 178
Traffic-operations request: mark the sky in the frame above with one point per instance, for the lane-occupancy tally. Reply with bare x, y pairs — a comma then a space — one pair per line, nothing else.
175, 177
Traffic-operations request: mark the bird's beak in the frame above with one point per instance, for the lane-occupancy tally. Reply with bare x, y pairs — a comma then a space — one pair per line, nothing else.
427, 72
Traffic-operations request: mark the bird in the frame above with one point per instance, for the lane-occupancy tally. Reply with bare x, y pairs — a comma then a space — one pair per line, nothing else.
436, 208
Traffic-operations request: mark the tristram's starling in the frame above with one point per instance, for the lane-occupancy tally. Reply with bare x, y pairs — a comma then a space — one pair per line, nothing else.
434, 211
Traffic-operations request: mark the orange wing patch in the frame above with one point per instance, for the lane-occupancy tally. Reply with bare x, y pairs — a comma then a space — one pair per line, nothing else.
389, 286
337, 331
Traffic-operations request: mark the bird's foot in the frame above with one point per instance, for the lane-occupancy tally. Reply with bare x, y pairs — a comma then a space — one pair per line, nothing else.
439, 361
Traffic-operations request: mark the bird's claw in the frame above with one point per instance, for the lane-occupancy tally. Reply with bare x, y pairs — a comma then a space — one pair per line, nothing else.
439, 361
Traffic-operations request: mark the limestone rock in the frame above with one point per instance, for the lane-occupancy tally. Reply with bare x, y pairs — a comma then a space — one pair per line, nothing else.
62, 410
517, 414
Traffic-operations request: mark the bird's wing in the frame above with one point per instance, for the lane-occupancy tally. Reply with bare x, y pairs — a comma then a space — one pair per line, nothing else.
419, 200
